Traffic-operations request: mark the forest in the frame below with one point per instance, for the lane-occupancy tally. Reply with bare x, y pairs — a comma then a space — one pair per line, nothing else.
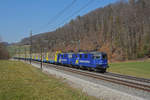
121, 29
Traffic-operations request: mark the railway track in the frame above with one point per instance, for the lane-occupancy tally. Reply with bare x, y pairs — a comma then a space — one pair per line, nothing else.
107, 77
131, 84
128, 77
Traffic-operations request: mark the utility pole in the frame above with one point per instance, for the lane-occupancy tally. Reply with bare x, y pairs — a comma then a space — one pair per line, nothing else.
78, 45
19, 53
41, 57
16, 55
30, 47
25, 54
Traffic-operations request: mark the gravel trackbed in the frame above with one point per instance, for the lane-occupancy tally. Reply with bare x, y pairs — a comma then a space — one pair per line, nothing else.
91, 88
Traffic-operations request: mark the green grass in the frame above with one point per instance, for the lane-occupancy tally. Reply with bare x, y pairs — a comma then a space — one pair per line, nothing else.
19, 81
138, 69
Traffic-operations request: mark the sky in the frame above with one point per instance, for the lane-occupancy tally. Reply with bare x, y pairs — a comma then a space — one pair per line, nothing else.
19, 17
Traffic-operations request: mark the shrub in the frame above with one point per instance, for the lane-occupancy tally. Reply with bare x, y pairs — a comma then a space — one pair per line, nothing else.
3, 52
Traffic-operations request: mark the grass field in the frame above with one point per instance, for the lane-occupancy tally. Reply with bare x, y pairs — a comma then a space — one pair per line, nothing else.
19, 81
137, 68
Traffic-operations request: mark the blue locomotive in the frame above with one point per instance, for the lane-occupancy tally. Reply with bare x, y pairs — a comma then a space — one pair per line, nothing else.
88, 60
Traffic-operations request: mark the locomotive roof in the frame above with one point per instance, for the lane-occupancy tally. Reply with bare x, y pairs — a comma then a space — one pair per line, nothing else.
95, 53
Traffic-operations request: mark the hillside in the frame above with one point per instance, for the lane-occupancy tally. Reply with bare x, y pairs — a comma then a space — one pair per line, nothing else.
121, 29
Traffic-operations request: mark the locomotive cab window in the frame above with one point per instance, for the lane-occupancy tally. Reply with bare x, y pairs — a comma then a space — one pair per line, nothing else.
104, 56
96, 57
85, 56
80, 56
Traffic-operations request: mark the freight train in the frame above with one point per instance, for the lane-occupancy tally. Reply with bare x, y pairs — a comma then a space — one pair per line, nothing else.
88, 60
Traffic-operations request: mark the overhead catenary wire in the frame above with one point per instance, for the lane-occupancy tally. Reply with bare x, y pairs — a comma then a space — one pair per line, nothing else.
59, 14
79, 10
